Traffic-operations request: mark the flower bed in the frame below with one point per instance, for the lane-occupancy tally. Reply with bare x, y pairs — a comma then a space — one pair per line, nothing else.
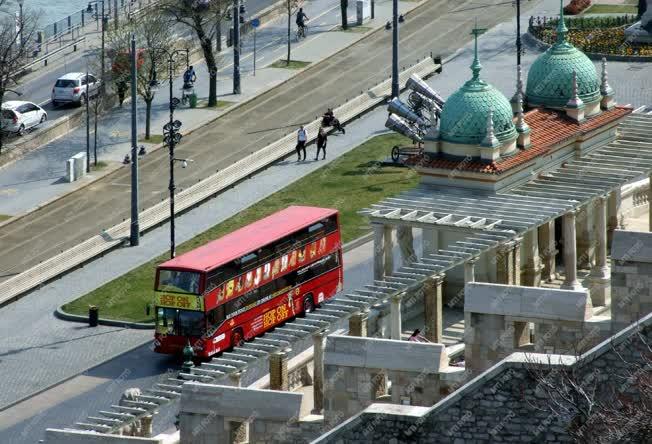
603, 35
576, 6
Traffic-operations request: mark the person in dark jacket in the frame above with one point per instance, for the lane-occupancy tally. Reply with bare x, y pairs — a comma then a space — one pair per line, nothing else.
322, 139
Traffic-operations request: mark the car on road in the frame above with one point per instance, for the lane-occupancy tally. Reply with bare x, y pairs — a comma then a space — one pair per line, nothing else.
74, 87
18, 116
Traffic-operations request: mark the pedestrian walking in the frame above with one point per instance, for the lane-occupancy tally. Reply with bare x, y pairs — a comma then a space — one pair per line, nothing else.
122, 90
302, 138
322, 139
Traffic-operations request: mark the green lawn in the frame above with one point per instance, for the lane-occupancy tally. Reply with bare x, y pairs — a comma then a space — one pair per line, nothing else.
294, 64
153, 138
611, 9
100, 165
220, 104
349, 183
4, 217
359, 29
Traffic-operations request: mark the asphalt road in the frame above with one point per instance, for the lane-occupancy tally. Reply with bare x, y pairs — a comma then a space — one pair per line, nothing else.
247, 129
39, 88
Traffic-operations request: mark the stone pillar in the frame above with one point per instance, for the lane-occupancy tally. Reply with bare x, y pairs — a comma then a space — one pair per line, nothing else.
278, 371
570, 253
613, 207
319, 340
505, 263
487, 341
521, 334
649, 202
469, 270
146, 426
548, 248
430, 240
358, 324
584, 228
600, 275
389, 250
532, 268
433, 308
395, 325
516, 258
238, 430
379, 251
406, 244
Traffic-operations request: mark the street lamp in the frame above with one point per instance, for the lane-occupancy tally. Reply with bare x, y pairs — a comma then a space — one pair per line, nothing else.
20, 19
395, 87
171, 134
104, 18
238, 11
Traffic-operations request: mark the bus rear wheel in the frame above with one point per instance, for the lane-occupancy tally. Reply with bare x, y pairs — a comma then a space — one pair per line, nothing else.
308, 305
237, 339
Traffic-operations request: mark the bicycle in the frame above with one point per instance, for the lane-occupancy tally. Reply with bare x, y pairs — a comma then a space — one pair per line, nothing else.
301, 32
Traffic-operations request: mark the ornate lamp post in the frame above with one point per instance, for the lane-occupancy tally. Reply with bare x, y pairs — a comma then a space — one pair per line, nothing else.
172, 136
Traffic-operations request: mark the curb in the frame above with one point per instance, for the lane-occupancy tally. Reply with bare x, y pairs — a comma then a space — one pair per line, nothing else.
60, 314
543, 46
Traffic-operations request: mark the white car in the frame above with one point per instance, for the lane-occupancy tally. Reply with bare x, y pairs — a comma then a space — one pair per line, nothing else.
74, 87
18, 117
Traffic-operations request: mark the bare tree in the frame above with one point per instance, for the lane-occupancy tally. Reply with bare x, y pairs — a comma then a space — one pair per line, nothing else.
609, 404
291, 7
152, 39
16, 41
204, 18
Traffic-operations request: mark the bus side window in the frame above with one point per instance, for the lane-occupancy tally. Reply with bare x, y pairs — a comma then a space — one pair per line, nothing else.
216, 316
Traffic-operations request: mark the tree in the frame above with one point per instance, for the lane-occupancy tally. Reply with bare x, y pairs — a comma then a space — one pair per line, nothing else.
344, 6
152, 40
292, 6
204, 18
606, 404
13, 51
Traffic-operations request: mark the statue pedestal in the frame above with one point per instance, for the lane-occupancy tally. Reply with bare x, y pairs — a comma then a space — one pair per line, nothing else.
637, 34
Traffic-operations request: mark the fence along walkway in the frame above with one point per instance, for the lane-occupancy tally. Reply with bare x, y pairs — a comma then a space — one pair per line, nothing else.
13, 288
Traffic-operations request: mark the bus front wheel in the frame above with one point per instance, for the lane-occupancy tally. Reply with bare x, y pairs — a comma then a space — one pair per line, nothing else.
308, 305
237, 339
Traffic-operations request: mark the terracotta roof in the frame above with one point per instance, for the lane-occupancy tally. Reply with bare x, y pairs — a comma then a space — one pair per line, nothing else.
548, 129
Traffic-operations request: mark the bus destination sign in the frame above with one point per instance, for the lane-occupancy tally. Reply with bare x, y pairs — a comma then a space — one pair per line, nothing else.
182, 301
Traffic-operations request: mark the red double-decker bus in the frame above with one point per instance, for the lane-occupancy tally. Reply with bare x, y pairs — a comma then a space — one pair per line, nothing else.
241, 285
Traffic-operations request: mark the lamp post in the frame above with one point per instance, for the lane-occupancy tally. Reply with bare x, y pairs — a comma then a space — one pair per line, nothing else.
172, 137
237, 10
395, 88
135, 226
88, 125
104, 18
20, 20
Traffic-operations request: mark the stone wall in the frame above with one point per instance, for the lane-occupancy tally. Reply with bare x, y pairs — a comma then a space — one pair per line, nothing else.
631, 277
500, 405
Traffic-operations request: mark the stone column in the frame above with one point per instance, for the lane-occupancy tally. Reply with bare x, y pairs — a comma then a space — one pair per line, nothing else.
430, 240
146, 426
649, 202
433, 308
319, 343
238, 430
521, 334
570, 253
406, 244
548, 247
379, 251
487, 341
532, 268
516, 258
395, 325
389, 250
469, 270
584, 228
358, 324
505, 263
613, 207
278, 371
600, 275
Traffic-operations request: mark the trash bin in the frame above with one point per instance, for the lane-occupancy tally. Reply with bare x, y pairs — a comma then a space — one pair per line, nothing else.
93, 316
193, 100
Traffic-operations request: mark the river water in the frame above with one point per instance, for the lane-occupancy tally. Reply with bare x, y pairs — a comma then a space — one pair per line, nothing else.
49, 10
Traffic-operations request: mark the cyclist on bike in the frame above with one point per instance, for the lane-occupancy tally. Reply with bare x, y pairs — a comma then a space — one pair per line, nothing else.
189, 77
301, 21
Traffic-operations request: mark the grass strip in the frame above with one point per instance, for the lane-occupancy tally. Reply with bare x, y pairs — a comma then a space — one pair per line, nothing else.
294, 64
611, 9
351, 182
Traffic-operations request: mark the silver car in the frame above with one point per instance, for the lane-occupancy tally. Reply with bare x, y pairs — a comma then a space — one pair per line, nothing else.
74, 87
18, 117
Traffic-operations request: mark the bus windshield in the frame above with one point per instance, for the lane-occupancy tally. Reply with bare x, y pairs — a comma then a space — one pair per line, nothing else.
172, 321
178, 281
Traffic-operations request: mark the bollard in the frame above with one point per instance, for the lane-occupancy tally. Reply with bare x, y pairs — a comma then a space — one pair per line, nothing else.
437, 61
93, 316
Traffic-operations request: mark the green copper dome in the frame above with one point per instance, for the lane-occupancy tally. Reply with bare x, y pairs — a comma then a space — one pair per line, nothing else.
464, 116
550, 79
